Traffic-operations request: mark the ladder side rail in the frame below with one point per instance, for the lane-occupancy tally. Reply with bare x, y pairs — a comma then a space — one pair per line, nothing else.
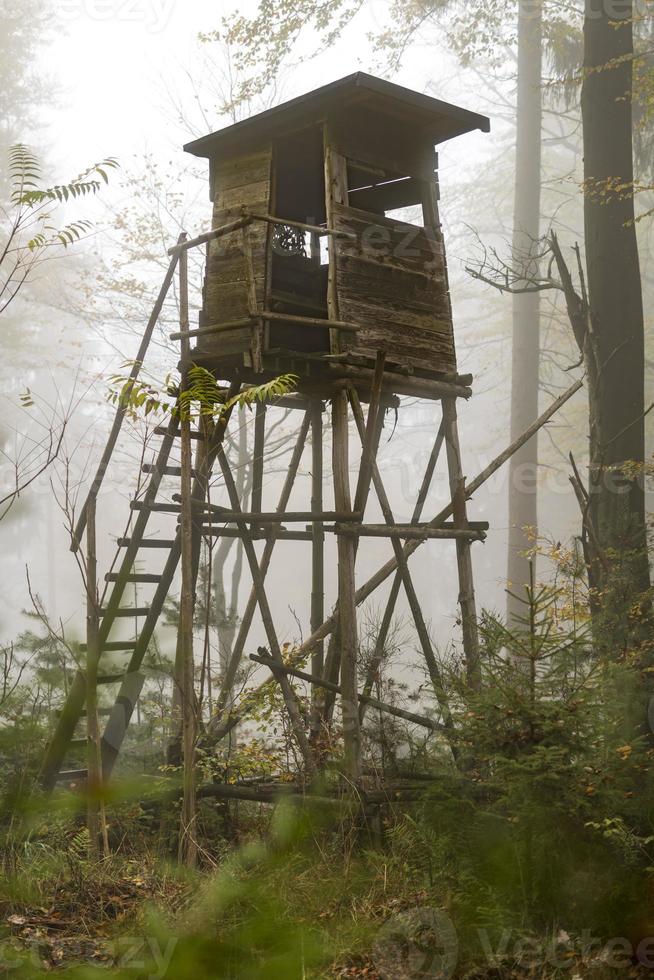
121, 410
138, 531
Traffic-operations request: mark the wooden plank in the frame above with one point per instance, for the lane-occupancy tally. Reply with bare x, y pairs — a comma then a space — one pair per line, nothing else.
347, 617
226, 301
230, 246
248, 195
417, 387
248, 169
310, 321
184, 659
216, 233
361, 304
287, 517
467, 601
257, 534
95, 805
396, 286
410, 533
235, 283
258, 456
387, 239
129, 612
317, 556
335, 197
383, 287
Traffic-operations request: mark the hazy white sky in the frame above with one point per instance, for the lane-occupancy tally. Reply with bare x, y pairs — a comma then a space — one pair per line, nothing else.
116, 61
115, 65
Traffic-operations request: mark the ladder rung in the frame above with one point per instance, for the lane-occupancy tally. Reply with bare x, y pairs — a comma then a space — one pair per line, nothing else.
72, 775
136, 577
113, 645
162, 543
155, 508
166, 471
82, 714
110, 678
176, 508
127, 612
78, 743
162, 431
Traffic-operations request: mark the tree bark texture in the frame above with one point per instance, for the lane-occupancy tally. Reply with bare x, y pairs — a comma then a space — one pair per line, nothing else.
616, 345
523, 468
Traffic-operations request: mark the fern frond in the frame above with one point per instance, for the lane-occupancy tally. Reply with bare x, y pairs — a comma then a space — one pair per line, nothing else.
268, 391
79, 845
26, 175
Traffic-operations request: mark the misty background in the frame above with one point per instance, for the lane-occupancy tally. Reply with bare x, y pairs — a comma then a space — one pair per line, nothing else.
135, 80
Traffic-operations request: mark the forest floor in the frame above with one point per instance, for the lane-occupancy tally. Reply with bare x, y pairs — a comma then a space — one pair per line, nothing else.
92, 915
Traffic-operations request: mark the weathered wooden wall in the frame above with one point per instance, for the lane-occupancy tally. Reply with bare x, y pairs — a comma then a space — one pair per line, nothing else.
237, 182
392, 280
392, 283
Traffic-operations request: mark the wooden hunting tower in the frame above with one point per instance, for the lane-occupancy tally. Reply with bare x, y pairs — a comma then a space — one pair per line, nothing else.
313, 268
325, 175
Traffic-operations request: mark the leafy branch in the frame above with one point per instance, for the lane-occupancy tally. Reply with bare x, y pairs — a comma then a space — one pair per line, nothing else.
29, 225
200, 397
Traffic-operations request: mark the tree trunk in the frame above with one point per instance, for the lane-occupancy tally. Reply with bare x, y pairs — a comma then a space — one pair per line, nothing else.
617, 391
523, 498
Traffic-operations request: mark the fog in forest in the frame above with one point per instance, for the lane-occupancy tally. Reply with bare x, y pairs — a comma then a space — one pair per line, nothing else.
551, 281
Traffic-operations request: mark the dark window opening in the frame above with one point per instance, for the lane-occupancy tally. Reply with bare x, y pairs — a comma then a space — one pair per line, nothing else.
299, 270
389, 195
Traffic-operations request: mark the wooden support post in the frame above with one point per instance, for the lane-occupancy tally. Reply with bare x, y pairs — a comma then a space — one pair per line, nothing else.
407, 581
371, 437
248, 613
291, 701
382, 573
257, 462
463, 549
347, 615
97, 824
335, 193
185, 665
253, 304
370, 446
317, 557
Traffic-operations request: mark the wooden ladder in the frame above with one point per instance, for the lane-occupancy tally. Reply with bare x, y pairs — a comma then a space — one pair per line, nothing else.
65, 741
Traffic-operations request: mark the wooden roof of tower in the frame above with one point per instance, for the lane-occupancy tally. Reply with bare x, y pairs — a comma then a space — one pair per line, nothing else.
440, 121
339, 164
